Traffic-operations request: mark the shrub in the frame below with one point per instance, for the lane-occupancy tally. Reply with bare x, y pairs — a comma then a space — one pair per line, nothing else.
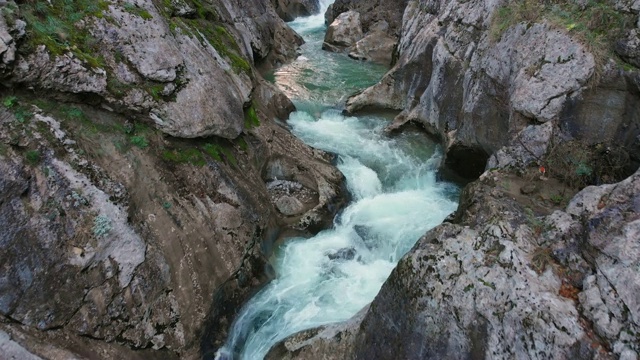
139, 141
55, 26
579, 164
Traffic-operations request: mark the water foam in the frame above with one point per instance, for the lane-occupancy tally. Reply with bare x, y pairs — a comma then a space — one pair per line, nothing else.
396, 199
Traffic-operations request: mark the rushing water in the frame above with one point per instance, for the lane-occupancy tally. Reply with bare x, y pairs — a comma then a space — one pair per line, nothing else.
396, 199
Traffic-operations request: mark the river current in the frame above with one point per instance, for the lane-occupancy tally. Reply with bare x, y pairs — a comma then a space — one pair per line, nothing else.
395, 199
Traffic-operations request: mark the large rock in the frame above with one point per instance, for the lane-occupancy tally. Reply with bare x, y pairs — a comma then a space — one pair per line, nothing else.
9, 35
379, 23
376, 46
343, 32
288, 10
373, 13
129, 228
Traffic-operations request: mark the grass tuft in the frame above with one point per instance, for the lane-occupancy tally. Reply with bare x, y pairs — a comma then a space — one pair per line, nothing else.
597, 24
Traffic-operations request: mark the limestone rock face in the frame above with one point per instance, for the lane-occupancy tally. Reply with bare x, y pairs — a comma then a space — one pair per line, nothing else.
288, 10
500, 283
476, 90
122, 236
373, 13
191, 74
344, 31
9, 35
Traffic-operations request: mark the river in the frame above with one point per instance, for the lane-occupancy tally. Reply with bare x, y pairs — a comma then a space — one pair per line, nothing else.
395, 199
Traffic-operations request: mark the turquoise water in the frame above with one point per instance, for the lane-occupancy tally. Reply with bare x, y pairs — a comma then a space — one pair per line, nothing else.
396, 199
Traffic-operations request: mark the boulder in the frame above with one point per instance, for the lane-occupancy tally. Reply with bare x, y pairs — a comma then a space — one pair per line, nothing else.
343, 32
376, 46
372, 12
288, 10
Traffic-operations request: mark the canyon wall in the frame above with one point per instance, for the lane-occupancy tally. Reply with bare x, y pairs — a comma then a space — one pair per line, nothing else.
144, 174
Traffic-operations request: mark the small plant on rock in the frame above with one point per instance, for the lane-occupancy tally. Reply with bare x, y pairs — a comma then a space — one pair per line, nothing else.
542, 257
10, 101
139, 141
33, 156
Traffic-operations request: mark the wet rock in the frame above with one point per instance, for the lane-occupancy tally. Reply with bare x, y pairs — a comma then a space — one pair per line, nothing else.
288, 10
343, 254
328, 15
372, 13
376, 46
343, 32
329, 342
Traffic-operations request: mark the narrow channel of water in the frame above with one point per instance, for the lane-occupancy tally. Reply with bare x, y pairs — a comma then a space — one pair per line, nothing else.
396, 199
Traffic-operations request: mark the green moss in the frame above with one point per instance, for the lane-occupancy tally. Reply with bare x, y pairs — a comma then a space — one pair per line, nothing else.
213, 150
251, 119
242, 143
184, 156
197, 155
223, 42
203, 11
228, 154
134, 9
22, 114
32, 156
56, 27
116, 87
9, 101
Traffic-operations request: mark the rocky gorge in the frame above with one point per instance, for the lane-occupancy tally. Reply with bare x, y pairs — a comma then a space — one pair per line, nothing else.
146, 176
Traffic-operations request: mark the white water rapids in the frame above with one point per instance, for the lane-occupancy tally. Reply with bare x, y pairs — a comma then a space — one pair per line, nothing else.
396, 199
